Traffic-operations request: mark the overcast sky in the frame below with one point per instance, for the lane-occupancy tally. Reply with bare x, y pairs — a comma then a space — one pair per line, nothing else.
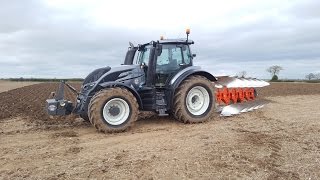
70, 38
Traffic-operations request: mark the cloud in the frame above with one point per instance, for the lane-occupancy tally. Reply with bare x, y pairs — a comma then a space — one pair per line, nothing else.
21, 15
71, 38
308, 9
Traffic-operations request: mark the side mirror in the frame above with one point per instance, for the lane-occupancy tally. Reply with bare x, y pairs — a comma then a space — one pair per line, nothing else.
194, 55
159, 49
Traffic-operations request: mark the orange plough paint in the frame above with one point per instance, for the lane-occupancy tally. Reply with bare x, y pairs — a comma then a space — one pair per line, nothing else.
234, 95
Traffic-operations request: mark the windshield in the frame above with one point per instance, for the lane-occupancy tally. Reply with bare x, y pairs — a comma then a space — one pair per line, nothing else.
172, 55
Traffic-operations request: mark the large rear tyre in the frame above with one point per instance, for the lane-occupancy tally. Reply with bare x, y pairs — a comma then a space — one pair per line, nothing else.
113, 110
194, 100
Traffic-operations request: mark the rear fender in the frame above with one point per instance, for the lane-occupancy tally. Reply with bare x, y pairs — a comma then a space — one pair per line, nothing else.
129, 88
181, 76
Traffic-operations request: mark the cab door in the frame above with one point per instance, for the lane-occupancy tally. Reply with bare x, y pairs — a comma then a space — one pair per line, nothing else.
172, 59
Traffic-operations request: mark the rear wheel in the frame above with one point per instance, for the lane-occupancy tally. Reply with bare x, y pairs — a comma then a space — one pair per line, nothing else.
194, 100
113, 110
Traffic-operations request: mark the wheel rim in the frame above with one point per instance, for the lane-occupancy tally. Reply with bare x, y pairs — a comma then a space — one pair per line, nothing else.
116, 111
197, 100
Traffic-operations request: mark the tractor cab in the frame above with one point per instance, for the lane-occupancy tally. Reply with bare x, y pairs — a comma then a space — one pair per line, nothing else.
161, 60
171, 56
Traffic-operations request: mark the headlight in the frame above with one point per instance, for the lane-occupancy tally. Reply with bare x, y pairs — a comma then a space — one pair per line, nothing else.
52, 108
136, 81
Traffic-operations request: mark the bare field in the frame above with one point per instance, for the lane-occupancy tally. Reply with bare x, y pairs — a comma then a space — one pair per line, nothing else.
8, 85
280, 141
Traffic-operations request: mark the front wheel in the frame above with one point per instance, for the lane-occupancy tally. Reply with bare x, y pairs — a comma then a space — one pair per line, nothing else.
194, 100
113, 110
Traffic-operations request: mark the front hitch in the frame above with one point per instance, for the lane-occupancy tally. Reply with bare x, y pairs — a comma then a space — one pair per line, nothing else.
58, 106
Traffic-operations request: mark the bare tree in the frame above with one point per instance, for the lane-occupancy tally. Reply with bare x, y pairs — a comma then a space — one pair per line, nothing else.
274, 70
317, 76
310, 76
242, 74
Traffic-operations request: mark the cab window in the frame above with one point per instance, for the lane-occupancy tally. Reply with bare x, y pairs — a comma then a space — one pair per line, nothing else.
171, 58
186, 55
176, 55
144, 56
168, 60
163, 59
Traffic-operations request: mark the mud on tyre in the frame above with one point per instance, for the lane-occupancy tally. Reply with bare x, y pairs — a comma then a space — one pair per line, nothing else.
113, 110
85, 117
194, 100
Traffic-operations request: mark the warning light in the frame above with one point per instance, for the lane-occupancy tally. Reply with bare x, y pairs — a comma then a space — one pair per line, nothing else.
188, 31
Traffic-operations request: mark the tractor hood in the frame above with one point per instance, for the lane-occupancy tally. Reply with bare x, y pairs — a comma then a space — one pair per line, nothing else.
121, 73
107, 74
95, 75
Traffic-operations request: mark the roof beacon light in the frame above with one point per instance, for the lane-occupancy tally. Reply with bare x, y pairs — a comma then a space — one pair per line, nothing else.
187, 32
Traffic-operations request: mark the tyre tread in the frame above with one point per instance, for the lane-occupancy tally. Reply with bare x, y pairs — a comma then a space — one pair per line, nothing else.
97, 101
180, 111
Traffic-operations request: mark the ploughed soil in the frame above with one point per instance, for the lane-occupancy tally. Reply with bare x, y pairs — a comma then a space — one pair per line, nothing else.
289, 89
280, 141
30, 101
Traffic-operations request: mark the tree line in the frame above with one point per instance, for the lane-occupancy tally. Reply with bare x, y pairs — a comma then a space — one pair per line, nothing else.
312, 76
21, 79
275, 71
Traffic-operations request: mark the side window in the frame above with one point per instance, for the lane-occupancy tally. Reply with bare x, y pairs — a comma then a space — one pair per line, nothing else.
164, 57
137, 57
144, 56
176, 55
186, 55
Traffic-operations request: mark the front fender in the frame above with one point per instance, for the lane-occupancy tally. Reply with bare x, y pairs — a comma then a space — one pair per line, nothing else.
119, 84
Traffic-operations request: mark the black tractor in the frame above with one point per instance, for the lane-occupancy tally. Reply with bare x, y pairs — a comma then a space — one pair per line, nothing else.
158, 76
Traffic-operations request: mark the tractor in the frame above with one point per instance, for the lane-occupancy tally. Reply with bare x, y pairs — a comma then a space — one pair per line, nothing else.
158, 76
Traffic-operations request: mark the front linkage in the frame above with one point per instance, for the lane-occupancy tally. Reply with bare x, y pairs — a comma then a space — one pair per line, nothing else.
58, 105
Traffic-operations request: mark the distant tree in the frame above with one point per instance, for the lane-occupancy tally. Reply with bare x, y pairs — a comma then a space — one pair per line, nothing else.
274, 71
242, 74
310, 76
274, 78
317, 76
